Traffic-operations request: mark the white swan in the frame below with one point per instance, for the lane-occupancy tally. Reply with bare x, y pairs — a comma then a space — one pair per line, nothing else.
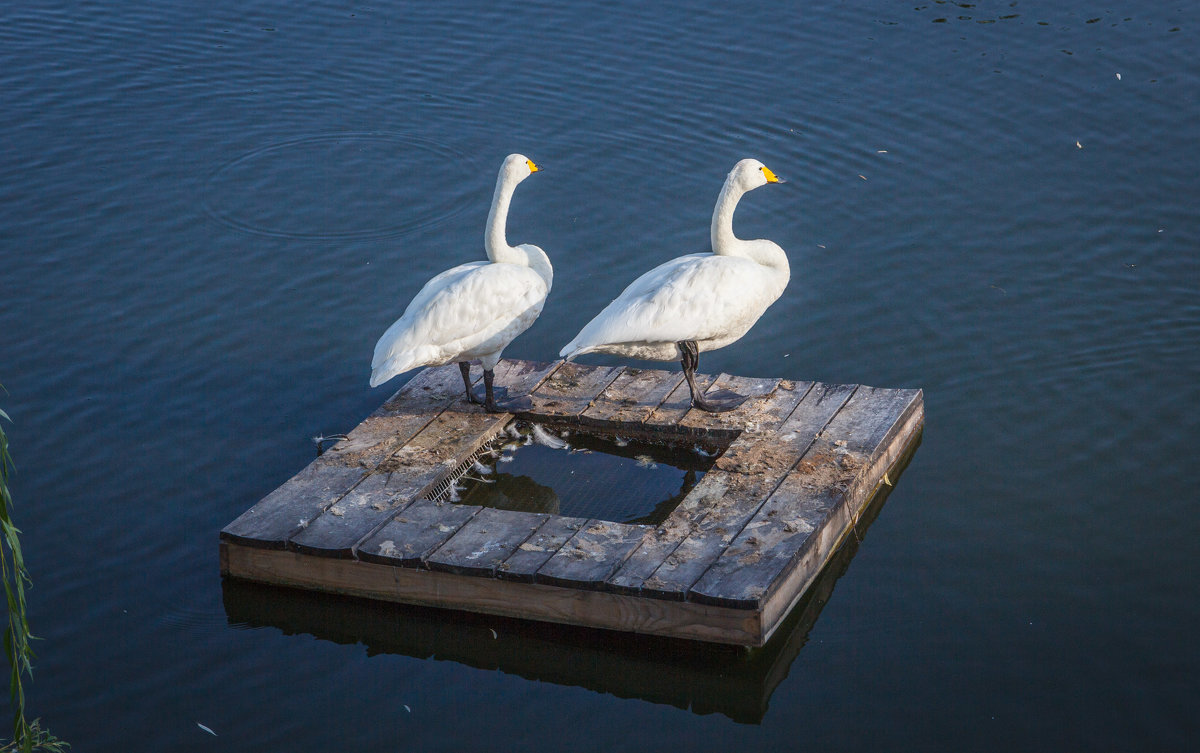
697, 302
473, 310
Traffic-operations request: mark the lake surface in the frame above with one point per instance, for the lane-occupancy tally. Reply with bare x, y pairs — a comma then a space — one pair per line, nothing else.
209, 212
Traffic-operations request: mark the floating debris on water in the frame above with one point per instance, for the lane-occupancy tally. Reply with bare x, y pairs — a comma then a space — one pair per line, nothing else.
546, 439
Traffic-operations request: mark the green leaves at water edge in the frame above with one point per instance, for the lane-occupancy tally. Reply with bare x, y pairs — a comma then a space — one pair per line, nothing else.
27, 736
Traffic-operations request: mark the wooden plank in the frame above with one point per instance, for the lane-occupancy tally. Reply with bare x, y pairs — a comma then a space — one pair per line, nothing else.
743, 417
755, 468
530, 601
571, 389
667, 415
437, 450
292, 507
338, 528
701, 542
415, 533
485, 541
399, 419
737, 473
631, 398
899, 440
531, 554
800, 524
272, 521
523, 377
591, 555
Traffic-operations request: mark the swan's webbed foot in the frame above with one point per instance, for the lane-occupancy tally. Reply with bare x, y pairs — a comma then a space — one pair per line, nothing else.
718, 401
496, 400
518, 404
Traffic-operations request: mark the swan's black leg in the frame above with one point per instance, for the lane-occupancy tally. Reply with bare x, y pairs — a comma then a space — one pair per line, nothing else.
518, 404
716, 402
465, 369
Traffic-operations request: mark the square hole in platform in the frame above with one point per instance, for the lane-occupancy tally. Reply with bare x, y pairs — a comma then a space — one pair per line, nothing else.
565, 471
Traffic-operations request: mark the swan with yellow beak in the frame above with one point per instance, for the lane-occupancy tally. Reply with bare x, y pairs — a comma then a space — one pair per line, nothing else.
698, 302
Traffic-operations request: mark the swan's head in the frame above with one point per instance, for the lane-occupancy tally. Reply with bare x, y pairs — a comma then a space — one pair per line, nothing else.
517, 167
750, 174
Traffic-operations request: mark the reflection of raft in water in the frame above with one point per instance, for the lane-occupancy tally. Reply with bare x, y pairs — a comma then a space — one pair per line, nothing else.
703, 678
795, 469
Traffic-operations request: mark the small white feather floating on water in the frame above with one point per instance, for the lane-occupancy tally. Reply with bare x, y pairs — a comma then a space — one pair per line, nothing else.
206, 729
545, 438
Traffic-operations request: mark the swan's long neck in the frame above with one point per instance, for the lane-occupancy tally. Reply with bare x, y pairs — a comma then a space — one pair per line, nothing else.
494, 241
724, 242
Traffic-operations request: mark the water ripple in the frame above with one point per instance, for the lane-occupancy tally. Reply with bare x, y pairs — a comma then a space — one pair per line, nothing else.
323, 187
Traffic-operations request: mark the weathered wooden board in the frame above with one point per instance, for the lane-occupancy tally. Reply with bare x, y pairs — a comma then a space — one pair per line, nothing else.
570, 390
444, 443
532, 601
667, 415
272, 521
718, 507
292, 507
399, 419
415, 533
532, 553
630, 399
589, 557
796, 466
739, 419
339, 527
485, 541
803, 520
523, 377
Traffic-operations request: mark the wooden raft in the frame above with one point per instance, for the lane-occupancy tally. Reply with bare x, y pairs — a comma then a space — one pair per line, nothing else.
800, 463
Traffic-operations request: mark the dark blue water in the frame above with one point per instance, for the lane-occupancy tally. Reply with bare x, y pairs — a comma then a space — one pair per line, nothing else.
210, 211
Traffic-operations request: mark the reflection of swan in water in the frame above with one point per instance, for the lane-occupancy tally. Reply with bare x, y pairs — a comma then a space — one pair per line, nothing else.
511, 492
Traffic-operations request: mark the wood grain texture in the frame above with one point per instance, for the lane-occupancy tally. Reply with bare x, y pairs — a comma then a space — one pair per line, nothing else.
630, 399
409, 538
589, 557
288, 509
485, 541
523, 377
407, 412
667, 415
570, 390
532, 553
343, 524
533, 601
745, 416
411, 471
751, 470
799, 525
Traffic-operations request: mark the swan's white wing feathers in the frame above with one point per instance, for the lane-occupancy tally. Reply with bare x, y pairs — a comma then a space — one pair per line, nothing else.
470, 311
699, 297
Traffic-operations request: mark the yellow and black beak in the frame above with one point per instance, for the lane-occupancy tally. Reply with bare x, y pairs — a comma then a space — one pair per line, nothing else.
533, 168
772, 177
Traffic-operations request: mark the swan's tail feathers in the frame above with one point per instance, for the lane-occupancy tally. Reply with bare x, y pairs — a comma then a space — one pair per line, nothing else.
573, 349
390, 368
